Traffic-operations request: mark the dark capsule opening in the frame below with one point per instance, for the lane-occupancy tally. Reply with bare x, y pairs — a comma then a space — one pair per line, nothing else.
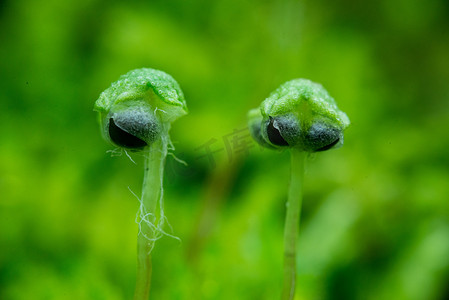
122, 138
327, 147
274, 135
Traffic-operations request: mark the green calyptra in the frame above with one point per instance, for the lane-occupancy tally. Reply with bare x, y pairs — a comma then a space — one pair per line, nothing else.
299, 114
138, 108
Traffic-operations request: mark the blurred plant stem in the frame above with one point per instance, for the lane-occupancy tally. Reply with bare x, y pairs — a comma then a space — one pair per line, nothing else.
292, 222
148, 222
218, 187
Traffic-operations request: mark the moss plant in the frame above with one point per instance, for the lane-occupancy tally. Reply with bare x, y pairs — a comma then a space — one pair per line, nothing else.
136, 113
301, 116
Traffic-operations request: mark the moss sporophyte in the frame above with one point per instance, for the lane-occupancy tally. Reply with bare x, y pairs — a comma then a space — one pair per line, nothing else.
136, 113
301, 116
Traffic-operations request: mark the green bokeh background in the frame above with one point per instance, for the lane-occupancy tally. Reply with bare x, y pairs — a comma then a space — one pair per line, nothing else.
375, 221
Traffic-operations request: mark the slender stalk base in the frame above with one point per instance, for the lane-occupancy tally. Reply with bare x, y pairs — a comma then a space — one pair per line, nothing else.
144, 269
292, 223
151, 196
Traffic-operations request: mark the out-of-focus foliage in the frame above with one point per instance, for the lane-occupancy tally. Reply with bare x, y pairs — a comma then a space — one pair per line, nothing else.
375, 221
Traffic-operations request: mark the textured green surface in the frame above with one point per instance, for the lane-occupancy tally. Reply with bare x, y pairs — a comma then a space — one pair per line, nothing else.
145, 101
156, 87
295, 95
303, 113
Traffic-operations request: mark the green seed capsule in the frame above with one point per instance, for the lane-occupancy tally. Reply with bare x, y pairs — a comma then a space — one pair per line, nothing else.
299, 114
138, 108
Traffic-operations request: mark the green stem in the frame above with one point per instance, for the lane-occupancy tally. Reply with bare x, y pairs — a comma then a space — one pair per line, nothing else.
151, 196
292, 223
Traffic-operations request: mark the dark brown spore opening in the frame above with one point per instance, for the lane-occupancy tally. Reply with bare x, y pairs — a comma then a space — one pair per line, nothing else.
274, 135
124, 139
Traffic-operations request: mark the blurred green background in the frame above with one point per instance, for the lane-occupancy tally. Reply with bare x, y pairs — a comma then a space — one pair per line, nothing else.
375, 220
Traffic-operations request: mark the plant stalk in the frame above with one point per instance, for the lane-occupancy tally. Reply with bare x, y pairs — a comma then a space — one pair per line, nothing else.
291, 229
151, 196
